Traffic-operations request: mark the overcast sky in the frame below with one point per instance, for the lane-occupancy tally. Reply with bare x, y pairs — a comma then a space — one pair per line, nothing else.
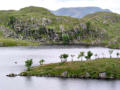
113, 5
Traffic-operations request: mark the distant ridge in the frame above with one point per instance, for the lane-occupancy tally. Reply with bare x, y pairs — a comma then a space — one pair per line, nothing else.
78, 12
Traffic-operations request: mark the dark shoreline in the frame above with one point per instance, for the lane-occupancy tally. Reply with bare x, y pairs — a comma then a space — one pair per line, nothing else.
84, 78
67, 46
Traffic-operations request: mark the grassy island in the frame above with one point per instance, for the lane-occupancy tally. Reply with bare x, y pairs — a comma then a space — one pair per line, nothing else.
105, 68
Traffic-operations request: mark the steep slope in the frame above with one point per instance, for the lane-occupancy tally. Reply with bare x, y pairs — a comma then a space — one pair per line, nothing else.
78, 12
40, 25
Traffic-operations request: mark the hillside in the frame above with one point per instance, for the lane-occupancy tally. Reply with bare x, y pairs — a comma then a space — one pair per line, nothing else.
78, 12
36, 24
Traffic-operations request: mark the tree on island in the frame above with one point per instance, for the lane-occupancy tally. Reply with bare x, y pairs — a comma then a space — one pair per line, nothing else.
41, 61
95, 56
110, 52
64, 57
118, 54
72, 56
28, 64
81, 55
89, 55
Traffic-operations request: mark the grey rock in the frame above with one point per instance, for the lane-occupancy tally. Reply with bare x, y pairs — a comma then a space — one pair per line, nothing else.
64, 74
102, 75
87, 75
12, 75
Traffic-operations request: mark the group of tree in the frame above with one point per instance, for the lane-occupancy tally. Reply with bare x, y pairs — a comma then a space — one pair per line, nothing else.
111, 52
82, 55
28, 63
64, 58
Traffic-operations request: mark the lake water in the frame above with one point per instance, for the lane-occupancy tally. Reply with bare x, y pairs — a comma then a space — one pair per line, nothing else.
10, 55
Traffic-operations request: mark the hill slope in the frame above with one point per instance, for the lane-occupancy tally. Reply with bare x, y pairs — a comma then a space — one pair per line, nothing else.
40, 25
78, 12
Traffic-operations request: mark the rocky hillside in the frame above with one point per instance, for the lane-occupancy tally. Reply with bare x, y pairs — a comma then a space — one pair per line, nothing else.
78, 12
39, 24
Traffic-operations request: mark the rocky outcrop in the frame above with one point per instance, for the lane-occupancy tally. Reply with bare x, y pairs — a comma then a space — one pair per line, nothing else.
12, 75
64, 74
102, 75
8, 32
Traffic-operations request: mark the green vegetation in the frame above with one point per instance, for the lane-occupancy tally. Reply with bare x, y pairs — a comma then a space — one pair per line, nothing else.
64, 57
41, 61
28, 64
89, 55
104, 68
65, 38
110, 52
88, 24
81, 55
12, 20
16, 42
40, 25
118, 54
72, 57
79, 69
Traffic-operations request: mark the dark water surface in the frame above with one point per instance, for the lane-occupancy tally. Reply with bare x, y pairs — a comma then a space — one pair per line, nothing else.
9, 55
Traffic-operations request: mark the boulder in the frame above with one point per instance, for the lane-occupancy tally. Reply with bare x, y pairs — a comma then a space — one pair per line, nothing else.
64, 74
12, 75
102, 75
87, 75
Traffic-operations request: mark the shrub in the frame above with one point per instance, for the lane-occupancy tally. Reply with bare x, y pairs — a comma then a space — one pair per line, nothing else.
28, 64
110, 52
88, 24
65, 38
41, 61
89, 55
64, 57
12, 20
81, 55
118, 54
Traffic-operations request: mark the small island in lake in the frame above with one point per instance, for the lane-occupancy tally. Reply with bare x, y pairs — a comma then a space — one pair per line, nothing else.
106, 68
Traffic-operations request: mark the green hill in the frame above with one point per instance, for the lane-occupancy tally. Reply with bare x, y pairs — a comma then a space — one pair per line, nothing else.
40, 25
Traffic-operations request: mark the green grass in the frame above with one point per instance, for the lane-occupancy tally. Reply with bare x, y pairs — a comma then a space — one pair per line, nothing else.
78, 68
16, 42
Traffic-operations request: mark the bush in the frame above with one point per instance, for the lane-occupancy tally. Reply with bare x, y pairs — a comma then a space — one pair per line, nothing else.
65, 38
41, 61
12, 20
64, 56
88, 24
89, 55
28, 64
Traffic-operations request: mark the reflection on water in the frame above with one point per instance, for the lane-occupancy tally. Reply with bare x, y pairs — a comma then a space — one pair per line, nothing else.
9, 55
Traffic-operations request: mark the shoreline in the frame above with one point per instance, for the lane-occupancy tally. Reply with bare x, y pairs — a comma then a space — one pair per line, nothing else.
61, 44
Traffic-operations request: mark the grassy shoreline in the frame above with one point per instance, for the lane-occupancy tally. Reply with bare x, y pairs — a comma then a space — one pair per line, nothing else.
6, 42
105, 68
